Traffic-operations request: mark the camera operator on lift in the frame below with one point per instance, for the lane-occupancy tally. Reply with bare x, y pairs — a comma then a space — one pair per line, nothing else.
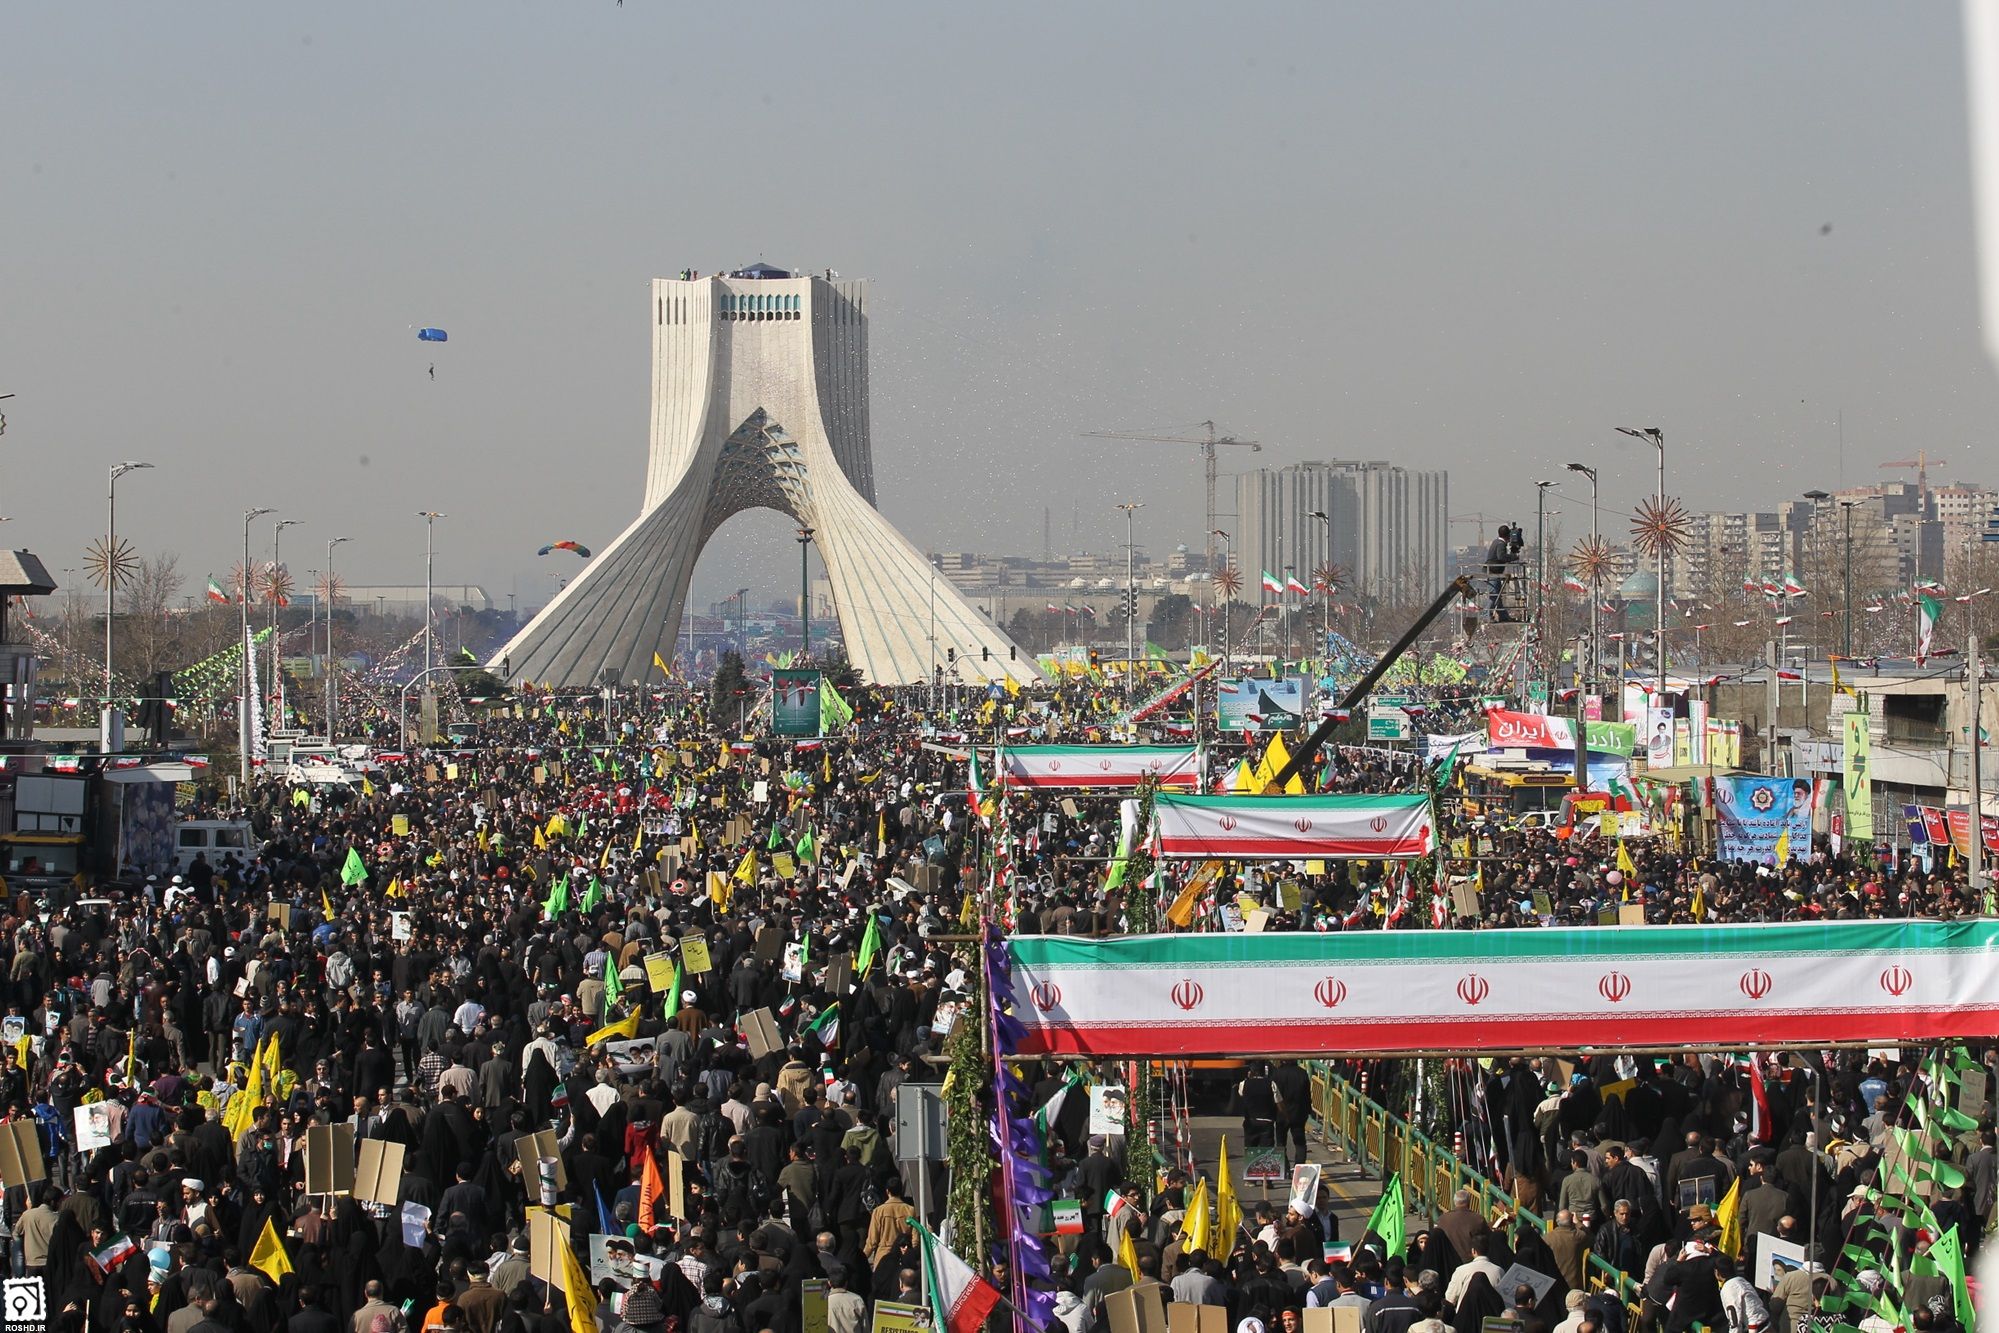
1504, 551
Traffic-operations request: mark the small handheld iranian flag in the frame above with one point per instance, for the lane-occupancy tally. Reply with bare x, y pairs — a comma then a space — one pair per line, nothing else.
960, 1299
215, 593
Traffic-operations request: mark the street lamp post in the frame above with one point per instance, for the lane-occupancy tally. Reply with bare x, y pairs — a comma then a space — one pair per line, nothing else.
429, 517
243, 674
277, 676
332, 662
804, 592
1326, 606
111, 581
1655, 437
1130, 593
1595, 649
1846, 519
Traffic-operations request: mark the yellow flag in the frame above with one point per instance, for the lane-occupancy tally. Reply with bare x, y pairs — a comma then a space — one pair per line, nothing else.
1275, 758
395, 889
660, 664
1699, 905
1624, 861
1013, 688
623, 1030
1783, 849
605, 859
1228, 1213
540, 842
1195, 1226
576, 1291
1728, 1219
367, 787
746, 869
326, 904
269, 1257
21, 1049
639, 838
485, 844
1127, 1252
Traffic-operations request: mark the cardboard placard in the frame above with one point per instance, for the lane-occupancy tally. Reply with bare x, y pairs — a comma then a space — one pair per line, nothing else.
1631, 914
1540, 1282
659, 972
839, 973
529, 1149
540, 775
650, 877
694, 955
546, 1232
1333, 1319
399, 825
770, 943
1257, 921
280, 913
761, 792
1464, 900
1069, 808
329, 1159
676, 1187
761, 1029
20, 1154
1139, 1308
430, 772
1186, 1317
377, 1175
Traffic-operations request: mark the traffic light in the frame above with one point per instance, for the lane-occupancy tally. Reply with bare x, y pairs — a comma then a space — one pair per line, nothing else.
1095, 658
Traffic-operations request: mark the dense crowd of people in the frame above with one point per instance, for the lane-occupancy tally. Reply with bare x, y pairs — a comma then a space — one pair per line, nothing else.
620, 986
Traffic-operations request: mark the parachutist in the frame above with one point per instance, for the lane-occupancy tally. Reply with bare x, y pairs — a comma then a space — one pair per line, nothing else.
433, 370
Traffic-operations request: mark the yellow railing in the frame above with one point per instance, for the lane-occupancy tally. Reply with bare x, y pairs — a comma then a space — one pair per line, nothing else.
1384, 1143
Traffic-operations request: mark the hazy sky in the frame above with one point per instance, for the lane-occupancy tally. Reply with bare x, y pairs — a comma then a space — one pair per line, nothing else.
1475, 238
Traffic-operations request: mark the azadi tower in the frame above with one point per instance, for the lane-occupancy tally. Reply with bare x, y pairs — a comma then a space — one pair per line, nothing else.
760, 399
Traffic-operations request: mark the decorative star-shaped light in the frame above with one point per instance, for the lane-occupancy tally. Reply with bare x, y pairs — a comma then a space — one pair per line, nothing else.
1661, 526
107, 563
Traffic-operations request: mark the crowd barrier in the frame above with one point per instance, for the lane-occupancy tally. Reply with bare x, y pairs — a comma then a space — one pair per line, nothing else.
1384, 1143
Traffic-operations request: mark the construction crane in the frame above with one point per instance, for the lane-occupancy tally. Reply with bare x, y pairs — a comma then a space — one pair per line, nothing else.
1922, 463
1478, 518
1208, 445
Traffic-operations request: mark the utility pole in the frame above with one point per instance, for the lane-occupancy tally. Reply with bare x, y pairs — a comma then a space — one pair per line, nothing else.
1595, 598
1846, 506
118, 470
1655, 437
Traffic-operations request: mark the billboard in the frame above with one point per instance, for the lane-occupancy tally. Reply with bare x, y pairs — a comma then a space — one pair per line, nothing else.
794, 703
1260, 705
1754, 812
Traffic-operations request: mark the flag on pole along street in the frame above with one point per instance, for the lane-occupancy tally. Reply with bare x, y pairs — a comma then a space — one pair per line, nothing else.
1271, 583
215, 593
959, 1298
1390, 1219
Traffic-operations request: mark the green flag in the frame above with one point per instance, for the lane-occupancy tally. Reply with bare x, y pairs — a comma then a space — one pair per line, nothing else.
775, 840
593, 895
871, 943
558, 899
1390, 1217
354, 871
672, 1006
1947, 1257
614, 987
808, 850
833, 710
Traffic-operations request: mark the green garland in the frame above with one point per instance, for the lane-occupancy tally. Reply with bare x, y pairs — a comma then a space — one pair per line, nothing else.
1141, 908
967, 1108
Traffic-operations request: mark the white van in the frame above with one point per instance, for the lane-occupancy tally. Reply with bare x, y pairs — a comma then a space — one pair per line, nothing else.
219, 838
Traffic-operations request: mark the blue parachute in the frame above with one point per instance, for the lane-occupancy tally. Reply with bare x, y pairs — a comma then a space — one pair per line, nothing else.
432, 336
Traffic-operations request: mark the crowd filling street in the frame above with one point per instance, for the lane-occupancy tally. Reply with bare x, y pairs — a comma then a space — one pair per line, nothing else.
626, 1002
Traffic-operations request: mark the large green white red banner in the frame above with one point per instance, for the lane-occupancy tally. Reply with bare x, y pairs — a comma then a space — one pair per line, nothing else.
1101, 767
1387, 992
1295, 828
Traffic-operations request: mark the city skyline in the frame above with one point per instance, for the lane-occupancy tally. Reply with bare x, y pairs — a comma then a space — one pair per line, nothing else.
1493, 250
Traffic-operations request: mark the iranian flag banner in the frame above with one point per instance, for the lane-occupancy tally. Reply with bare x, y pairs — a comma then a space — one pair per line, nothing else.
1102, 767
960, 1299
1296, 828
215, 593
1389, 992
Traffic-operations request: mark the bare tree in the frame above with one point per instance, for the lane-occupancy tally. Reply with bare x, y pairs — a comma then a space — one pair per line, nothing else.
149, 636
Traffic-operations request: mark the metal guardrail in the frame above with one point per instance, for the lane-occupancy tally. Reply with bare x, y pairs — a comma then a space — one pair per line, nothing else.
1385, 1143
